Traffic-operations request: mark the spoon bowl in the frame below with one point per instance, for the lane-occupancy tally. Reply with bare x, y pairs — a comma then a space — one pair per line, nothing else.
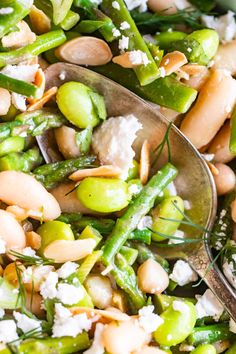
194, 183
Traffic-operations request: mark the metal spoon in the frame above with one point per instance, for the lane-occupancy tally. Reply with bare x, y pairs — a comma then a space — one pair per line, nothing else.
194, 182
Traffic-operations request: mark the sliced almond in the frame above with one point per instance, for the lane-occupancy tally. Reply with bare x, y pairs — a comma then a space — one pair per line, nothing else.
171, 62
37, 104
212, 168
111, 315
85, 51
19, 38
145, 162
62, 251
193, 69
102, 171
5, 101
33, 240
124, 61
41, 23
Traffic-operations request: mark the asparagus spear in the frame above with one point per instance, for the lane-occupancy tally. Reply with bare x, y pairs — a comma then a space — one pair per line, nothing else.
210, 334
167, 92
21, 161
145, 73
60, 9
19, 86
20, 9
62, 345
53, 173
41, 44
139, 208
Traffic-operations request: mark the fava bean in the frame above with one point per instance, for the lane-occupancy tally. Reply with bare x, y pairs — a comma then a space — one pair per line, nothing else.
103, 195
54, 230
204, 349
12, 144
177, 325
76, 102
169, 208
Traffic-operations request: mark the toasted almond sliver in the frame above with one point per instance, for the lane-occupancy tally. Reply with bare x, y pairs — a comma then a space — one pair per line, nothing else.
102, 171
109, 314
43, 100
41, 23
171, 62
124, 61
145, 162
33, 240
19, 38
193, 69
212, 168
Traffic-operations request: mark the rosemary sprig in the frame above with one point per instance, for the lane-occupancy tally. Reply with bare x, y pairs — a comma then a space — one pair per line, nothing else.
29, 260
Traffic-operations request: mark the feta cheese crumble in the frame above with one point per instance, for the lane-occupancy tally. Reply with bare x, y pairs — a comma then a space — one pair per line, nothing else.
48, 288
179, 234
26, 323
208, 305
115, 5
28, 251
67, 269
123, 43
162, 71
133, 4
137, 57
69, 294
180, 306
67, 325
2, 246
36, 273
224, 25
8, 331
113, 140
97, 346
148, 320
183, 274
124, 25
145, 222
6, 10
116, 33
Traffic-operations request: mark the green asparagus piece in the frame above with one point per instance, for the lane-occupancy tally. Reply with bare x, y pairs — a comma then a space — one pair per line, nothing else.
62, 345
223, 227
144, 253
210, 334
53, 173
11, 145
19, 86
167, 92
87, 265
60, 10
125, 278
144, 235
232, 143
41, 44
145, 73
166, 39
71, 19
79, 222
20, 9
21, 161
139, 208
130, 254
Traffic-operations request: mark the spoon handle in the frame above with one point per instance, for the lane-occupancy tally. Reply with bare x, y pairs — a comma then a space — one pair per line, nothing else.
214, 278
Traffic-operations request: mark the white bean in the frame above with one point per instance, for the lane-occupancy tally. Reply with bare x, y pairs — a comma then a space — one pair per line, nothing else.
149, 350
100, 290
219, 146
167, 7
233, 210
225, 180
23, 190
152, 277
66, 141
5, 101
11, 232
225, 57
125, 337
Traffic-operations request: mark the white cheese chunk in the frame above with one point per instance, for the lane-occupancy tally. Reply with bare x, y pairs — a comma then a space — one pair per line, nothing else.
228, 269
123, 43
67, 269
145, 222
180, 306
224, 25
182, 273
21, 72
6, 10
113, 140
115, 5
69, 294
137, 57
148, 320
26, 323
48, 288
124, 25
208, 305
8, 331
133, 4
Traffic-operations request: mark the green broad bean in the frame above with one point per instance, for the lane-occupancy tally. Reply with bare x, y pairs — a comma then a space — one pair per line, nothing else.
162, 302
12, 144
165, 39
104, 195
52, 231
77, 102
133, 171
204, 349
169, 208
177, 325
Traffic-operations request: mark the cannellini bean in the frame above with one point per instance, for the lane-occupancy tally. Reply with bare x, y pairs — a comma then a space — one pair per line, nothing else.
225, 180
145, 163
63, 250
23, 190
69, 203
233, 210
33, 240
41, 23
166, 7
85, 51
34, 304
173, 61
100, 290
219, 146
5, 101
110, 314
101, 171
149, 350
225, 57
216, 99
197, 81
124, 337
19, 38
152, 278
11, 231
66, 141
